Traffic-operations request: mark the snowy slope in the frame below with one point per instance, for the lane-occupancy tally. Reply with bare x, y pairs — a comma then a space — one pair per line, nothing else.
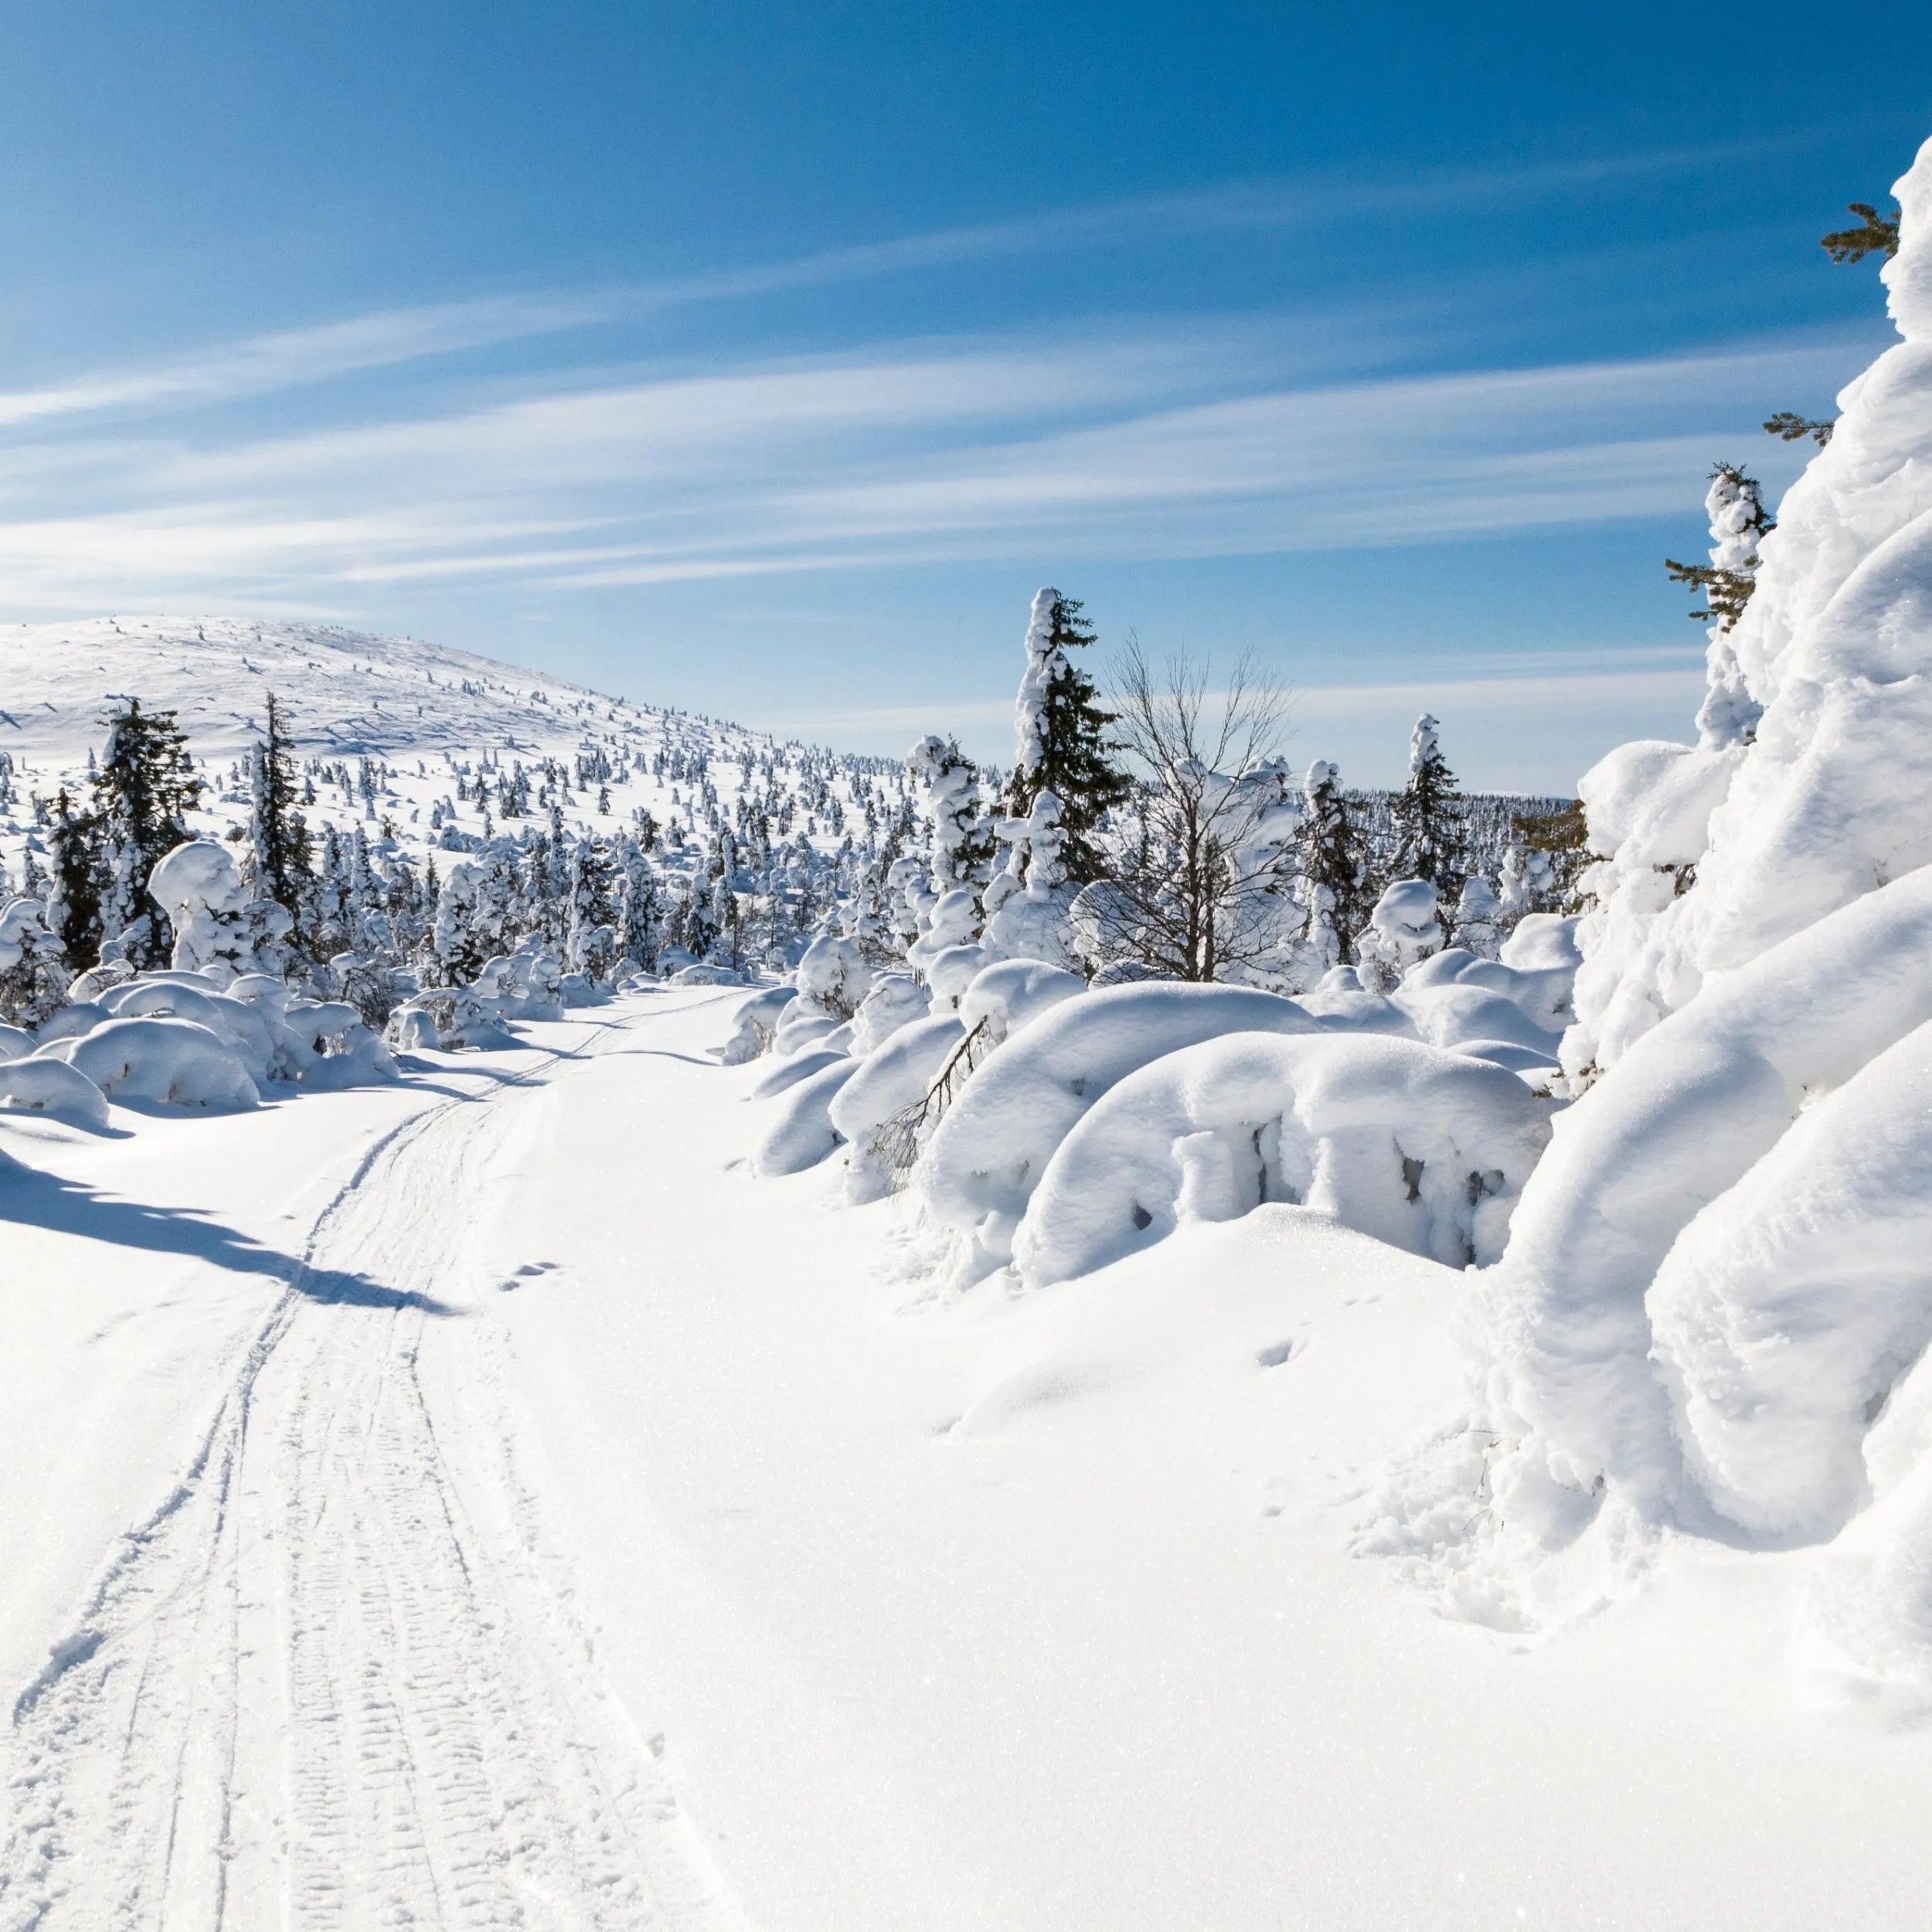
348, 693
418, 713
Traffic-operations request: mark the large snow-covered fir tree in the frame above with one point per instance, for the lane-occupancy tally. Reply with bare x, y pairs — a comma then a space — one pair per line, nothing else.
281, 863
145, 787
1428, 816
1332, 870
1062, 746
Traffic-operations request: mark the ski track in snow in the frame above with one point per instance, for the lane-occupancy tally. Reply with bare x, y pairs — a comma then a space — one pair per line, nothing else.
335, 1681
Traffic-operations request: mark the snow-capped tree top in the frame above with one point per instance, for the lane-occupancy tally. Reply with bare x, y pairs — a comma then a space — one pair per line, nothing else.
1044, 658
1422, 741
1736, 506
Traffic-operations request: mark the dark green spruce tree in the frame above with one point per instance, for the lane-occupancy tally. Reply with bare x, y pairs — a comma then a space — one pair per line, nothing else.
1333, 864
1427, 813
144, 790
1070, 754
283, 855
73, 904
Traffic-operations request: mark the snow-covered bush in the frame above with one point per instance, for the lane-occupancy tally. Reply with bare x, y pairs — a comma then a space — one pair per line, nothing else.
888, 1084
1405, 927
1424, 1149
1012, 994
755, 1024
988, 1151
44, 1084
33, 973
832, 979
800, 1134
174, 1062
895, 1000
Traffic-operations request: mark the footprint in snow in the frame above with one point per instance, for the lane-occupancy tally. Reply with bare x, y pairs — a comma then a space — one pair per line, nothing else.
530, 1271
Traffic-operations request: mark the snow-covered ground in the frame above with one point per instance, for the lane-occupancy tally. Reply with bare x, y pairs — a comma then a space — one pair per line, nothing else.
477, 1501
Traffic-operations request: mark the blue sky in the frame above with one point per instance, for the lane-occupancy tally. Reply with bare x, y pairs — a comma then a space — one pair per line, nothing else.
763, 359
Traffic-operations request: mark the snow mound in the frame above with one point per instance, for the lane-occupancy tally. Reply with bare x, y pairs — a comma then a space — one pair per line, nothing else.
45, 1085
172, 1062
1426, 1150
802, 1134
986, 1156
1012, 994
756, 1024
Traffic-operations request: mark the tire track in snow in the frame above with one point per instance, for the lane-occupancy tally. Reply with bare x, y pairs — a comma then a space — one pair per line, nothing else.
335, 1681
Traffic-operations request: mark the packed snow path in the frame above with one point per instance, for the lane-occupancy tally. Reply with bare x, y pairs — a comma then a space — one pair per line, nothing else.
333, 1681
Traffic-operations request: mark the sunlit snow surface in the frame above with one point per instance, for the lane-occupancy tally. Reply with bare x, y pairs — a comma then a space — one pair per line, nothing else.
536, 1513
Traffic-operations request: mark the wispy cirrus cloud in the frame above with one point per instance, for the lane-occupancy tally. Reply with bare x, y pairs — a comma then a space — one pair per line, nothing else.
287, 359
1125, 444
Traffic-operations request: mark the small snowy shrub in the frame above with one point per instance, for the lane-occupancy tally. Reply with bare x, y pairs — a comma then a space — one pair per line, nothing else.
1423, 1149
988, 1153
45, 1085
173, 1063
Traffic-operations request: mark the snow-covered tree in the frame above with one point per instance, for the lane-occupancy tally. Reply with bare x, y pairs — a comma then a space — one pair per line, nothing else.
1738, 524
1428, 815
639, 921
33, 973
591, 941
948, 782
1477, 922
1062, 732
73, 898
1405, 928
1332, 871
220, 926
145, 786
281, 852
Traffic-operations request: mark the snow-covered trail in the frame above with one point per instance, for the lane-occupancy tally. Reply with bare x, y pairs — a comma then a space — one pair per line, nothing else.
335, 1680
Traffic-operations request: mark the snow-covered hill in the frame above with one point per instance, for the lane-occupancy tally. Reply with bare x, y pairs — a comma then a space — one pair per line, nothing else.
349, 694
385, 725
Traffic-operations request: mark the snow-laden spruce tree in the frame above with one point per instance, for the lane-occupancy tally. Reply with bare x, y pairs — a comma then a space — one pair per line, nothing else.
641, 912
1740, 525
947, 785
33, 973
143, 791
1427, 814
1332, 871
1027, 902
1714, 1311
73, 893
590, 944
1062, 739
281, 853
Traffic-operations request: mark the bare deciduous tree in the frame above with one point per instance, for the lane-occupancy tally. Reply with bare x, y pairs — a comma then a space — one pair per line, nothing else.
1199, 885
